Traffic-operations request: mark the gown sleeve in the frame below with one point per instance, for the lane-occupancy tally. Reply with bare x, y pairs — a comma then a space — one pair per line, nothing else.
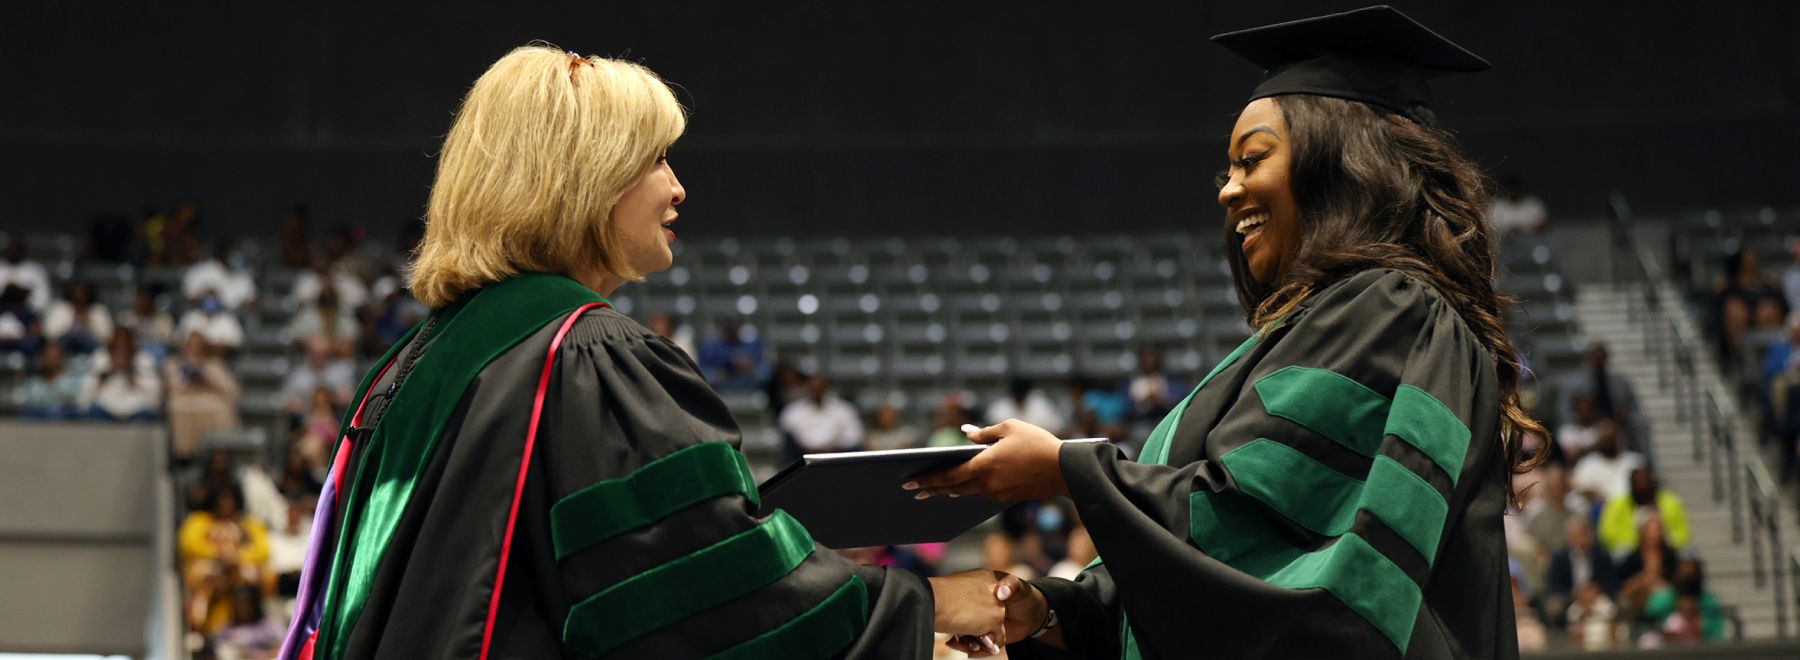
1310, 524
658, 548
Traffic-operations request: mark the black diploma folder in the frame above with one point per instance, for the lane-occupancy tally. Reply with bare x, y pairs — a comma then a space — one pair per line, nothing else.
854, 499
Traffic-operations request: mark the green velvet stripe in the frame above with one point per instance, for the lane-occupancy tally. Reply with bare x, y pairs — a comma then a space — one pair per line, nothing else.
469, 336
1331, 404
674, 482
822, 632
1295, 485
1421, 420
1227, 527
689, 585
1156, 447
1364, 580
1407, 504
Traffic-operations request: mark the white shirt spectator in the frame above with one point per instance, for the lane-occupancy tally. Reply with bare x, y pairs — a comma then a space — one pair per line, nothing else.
310, 323
1036, 411
221, 329
61, 319
831, 425
1513, 216
339, 376
1577, 439
351, 293
234, 288
1790, 280
30, 276
1610, 477
119, 396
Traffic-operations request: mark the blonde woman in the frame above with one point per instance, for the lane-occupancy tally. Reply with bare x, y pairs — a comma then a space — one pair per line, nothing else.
529, 473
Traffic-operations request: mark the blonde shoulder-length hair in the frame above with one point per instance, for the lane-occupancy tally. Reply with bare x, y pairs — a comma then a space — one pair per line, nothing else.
543, 147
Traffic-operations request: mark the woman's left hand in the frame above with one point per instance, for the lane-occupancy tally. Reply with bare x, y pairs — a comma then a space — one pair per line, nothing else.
1024, 463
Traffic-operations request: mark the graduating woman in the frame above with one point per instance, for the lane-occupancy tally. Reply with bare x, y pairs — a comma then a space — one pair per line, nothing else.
529, 473
1333, 488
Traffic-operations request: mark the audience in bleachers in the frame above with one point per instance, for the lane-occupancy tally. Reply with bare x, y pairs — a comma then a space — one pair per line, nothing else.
665, 326
322, 369
203, 395
822, 422
153, 326
326, 320
889, 432
1748, 299
225, 274
1514, 211
53, 390
1025, 402
735, 359
223, 551
1606, 471
1622, 514
28, 275
1579, 563
1153, 392
21, 329
122, 383
77, 321
209, 318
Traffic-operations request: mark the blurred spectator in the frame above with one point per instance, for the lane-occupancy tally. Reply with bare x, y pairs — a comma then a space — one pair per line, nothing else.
203, 395
311, 283
1648, 569
252, 635
345, 261
1790, 279
221, 551
784, 386
1000, 553
1622, 515
1081, 553
21, 330
1593, 618
1577, 435
211, 320
1781, 382
822, 422
1685, 612
1579, 563
1528, 625
318, 429
1612, 397
287, 545
947, 426
1514, 211
53, 391
889, 432
296, 244
735, 359
78, 322
322, 369
1605, 471
153, 326
16, 270
225, 274
1747, 298
168, 239
1026, 403
667, 327
1153, 393
122, 383
1546, 514
394, 310
302, 473
328, 321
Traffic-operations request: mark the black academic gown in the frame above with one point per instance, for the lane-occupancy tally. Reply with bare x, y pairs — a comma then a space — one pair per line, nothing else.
634, 534
1332, 490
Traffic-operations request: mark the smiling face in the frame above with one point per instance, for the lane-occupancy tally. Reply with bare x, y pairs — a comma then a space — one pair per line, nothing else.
644, 217
1256, 191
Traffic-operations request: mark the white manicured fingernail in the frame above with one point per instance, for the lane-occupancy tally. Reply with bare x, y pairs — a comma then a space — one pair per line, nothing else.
970, 428
1004, 592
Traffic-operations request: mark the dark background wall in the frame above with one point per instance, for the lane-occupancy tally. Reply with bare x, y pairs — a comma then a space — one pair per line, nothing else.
858, 117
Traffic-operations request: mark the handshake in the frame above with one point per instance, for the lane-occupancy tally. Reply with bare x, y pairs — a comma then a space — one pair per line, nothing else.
984, 610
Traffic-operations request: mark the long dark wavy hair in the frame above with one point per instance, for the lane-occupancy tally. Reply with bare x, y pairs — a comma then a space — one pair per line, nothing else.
1378, 189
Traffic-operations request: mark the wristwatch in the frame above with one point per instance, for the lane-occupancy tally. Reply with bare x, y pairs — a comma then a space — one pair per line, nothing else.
1049, 622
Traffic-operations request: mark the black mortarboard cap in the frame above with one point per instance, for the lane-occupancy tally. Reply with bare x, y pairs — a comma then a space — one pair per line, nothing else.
1375, 55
